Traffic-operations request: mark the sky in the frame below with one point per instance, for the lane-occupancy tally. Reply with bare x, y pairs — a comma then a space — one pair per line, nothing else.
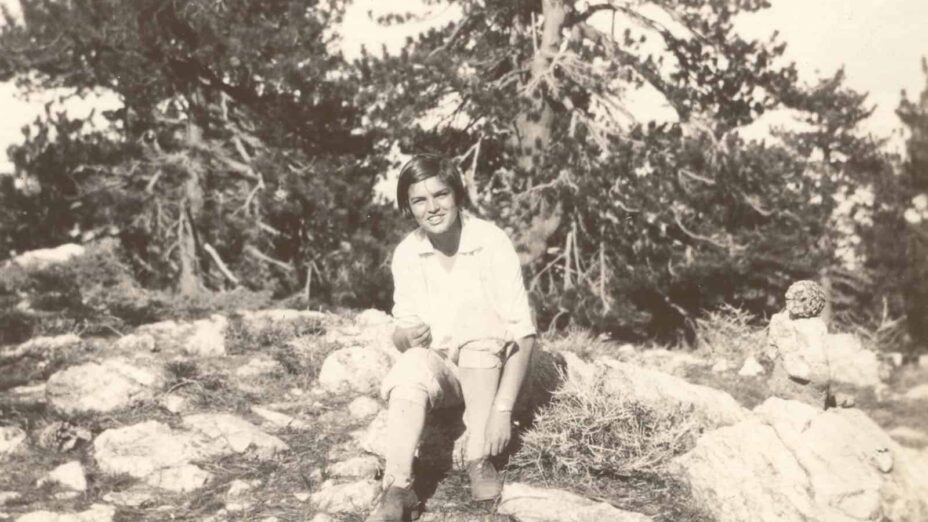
880, 43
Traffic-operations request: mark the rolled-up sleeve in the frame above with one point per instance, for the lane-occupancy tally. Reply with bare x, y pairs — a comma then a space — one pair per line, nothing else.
404, 291
511, 297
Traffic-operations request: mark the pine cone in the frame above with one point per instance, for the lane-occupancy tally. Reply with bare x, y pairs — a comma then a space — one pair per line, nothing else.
805, 299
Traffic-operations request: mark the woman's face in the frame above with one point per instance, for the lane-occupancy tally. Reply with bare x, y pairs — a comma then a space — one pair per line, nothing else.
432, 203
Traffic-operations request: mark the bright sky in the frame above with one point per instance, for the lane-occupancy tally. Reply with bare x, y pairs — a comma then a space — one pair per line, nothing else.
879, 42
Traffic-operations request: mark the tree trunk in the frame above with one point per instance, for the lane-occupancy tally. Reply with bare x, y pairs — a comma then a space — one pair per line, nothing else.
533, 134
190, 280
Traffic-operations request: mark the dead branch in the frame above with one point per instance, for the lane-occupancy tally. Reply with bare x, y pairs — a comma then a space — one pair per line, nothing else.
269, 229
220, 264
692, 175
257, 254
151, 182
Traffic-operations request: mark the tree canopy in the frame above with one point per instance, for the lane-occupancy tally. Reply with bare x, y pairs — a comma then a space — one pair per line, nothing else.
247, 147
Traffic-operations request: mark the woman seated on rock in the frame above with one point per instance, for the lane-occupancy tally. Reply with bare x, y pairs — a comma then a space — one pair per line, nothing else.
464, 328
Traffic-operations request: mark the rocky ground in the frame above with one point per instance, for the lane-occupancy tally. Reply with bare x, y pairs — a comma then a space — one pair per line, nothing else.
274, 415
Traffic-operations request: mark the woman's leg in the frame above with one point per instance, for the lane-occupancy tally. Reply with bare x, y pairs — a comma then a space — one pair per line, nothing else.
419, 380
478, 386
405, 420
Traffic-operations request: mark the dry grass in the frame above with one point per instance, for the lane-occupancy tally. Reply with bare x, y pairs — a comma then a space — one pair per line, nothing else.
589, 431
605, 446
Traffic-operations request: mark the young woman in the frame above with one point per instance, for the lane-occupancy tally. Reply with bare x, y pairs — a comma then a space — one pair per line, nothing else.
464, 328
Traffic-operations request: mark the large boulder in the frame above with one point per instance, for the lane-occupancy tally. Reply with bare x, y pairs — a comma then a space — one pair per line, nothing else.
354, 370
792, 461
102, 386
660, 391
532, 504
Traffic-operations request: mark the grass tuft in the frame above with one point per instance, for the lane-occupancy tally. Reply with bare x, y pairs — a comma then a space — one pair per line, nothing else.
589, 431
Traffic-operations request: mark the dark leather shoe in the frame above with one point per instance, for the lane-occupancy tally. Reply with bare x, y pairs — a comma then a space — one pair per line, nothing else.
485, 482
396, 505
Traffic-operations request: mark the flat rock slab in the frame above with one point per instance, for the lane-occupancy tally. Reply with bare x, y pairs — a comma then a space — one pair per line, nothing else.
163, 457
791, 461
102, 386
532, 504
96, 513
660, 390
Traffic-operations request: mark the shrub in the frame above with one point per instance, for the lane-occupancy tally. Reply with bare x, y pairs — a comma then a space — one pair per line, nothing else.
589, 431
728, 332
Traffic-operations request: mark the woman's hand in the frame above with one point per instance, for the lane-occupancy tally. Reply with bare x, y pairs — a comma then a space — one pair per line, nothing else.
498, 432
408, 337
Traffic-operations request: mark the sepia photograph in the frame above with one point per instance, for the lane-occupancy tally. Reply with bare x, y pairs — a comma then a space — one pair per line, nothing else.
464, 260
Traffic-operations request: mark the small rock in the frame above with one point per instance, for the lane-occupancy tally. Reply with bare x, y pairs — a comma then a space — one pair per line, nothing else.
363, 407
33, 393
524, 502
751, 368
45, 257
96, 513
181, 479
11, 440
136, 343
346, 498
720, 366
279, 420
358, 467
133, 497
322, 517
883, 458
208, 338
918, 393
8, 497
237, 488
70, 475
354, 370
175, 403
302, 496
923, 361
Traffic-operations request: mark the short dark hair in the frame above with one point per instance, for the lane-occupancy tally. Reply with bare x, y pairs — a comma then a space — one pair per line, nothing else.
424, 166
